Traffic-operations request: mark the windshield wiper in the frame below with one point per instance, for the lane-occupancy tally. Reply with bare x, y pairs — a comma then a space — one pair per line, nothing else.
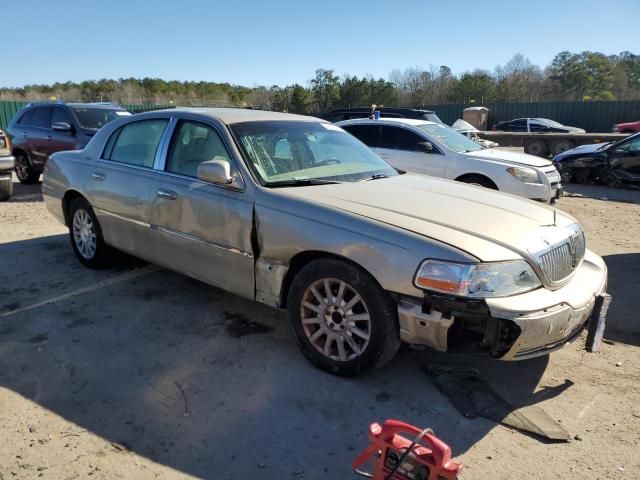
299, 182
377, 176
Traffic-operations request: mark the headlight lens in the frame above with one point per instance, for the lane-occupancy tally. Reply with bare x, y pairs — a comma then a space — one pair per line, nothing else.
477, 280
2, 143
524, 174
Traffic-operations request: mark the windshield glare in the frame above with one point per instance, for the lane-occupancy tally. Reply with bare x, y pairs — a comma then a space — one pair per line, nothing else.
96, 118
450, 138
293, 150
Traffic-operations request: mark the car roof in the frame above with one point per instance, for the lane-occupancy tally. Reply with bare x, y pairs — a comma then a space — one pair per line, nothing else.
407, 121
109, 106
382, 109
239, 115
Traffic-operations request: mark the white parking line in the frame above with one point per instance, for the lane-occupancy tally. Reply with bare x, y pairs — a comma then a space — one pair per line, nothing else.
104, 283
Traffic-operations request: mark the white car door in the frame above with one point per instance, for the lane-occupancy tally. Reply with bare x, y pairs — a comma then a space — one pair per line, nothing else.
405, 149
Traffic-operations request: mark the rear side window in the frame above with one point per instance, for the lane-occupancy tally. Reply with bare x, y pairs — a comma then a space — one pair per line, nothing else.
41, 117
136, 143
398, 138
367, 134
192, 144
26, 119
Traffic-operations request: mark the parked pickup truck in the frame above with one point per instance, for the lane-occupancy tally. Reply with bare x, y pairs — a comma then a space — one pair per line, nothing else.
629, 127
7, 163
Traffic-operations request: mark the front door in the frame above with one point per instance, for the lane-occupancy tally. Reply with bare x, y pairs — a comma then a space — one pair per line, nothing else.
61, 140
402, 148
624, 160
197, 228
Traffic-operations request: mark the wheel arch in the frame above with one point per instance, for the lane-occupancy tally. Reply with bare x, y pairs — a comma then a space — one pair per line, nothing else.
301, 259
69, 196
467, 176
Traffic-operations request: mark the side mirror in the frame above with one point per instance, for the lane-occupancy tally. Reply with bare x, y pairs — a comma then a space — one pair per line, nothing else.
61, 127
216, 171
425, 147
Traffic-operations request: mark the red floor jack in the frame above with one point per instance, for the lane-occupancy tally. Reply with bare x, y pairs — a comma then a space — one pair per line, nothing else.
423, 458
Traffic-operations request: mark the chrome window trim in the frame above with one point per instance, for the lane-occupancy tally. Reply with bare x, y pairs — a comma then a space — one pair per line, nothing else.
238, 183
117, 132
163, 147
202, 241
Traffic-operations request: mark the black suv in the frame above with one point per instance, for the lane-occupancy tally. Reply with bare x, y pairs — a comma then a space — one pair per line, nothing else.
388, 112
40, 129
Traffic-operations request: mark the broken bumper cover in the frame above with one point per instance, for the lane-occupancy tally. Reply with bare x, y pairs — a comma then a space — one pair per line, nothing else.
548, 319
527, 325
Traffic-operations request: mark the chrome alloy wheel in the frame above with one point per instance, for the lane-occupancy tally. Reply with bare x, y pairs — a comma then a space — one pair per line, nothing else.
22, 167
84, 234
335, 319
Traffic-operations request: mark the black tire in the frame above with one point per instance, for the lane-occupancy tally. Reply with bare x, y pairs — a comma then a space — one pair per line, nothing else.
101, 256
25, 171
537, 147
560, 146
479, 180
6, 190
382, 324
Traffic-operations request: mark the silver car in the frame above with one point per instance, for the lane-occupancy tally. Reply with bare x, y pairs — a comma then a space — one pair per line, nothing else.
295, 213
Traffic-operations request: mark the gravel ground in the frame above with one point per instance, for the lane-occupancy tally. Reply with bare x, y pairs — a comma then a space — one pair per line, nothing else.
138, 372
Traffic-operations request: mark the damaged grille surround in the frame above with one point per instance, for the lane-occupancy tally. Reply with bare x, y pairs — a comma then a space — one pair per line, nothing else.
559, 261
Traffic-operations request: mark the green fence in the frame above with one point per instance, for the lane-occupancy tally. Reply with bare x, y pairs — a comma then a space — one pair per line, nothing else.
592, 116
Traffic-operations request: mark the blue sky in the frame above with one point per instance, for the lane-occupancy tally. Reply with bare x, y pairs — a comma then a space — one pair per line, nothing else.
283, 41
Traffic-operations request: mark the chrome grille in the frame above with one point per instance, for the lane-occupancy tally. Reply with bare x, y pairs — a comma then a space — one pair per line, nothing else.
560, 262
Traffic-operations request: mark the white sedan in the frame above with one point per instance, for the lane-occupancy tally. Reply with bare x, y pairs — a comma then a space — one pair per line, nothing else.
430, 148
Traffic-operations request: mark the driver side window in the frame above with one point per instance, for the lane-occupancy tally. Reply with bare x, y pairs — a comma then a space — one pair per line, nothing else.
192, 144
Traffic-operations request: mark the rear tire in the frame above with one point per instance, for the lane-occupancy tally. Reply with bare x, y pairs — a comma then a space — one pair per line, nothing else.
537, 147
85, 235
347, 330
6, 190
560, 146
24, 170
479, 181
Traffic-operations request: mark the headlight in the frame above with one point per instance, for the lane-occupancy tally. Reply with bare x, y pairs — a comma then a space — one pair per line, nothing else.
526, 175
478, 280
2, 142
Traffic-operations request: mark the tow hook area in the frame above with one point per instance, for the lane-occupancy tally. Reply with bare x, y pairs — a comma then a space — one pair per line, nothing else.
420, 328
500, 336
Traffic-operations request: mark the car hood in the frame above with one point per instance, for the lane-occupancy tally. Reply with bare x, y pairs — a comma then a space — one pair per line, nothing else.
581, 150
451, 212
510, 157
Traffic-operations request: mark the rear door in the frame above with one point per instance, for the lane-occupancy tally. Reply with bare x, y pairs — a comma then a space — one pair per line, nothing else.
198, 228
120, 185
401, 148
39, 136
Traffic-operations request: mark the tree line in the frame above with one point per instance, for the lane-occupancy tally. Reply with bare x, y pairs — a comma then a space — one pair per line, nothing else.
585, 76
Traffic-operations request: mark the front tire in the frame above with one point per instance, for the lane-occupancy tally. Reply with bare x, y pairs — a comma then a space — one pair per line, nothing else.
6, 190
86, 236
341, 319
24, 170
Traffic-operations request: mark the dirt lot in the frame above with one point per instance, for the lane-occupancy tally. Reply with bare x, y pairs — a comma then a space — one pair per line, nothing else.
139, 372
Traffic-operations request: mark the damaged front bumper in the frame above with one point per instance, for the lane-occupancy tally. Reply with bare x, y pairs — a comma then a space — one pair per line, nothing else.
514, 328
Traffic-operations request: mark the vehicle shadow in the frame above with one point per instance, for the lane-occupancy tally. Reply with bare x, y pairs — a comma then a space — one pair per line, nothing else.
203, 381
26, 193
624, 283
603, 192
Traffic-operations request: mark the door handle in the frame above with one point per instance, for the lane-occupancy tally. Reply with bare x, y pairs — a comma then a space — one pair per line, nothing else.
97, 176
168, 194
48, 137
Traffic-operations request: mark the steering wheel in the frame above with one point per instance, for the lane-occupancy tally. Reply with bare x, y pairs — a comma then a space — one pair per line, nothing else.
327, 161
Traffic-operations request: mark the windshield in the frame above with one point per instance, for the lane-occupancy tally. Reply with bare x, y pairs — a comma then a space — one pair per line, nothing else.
96, 118
291, 150
551, 123
450, 138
